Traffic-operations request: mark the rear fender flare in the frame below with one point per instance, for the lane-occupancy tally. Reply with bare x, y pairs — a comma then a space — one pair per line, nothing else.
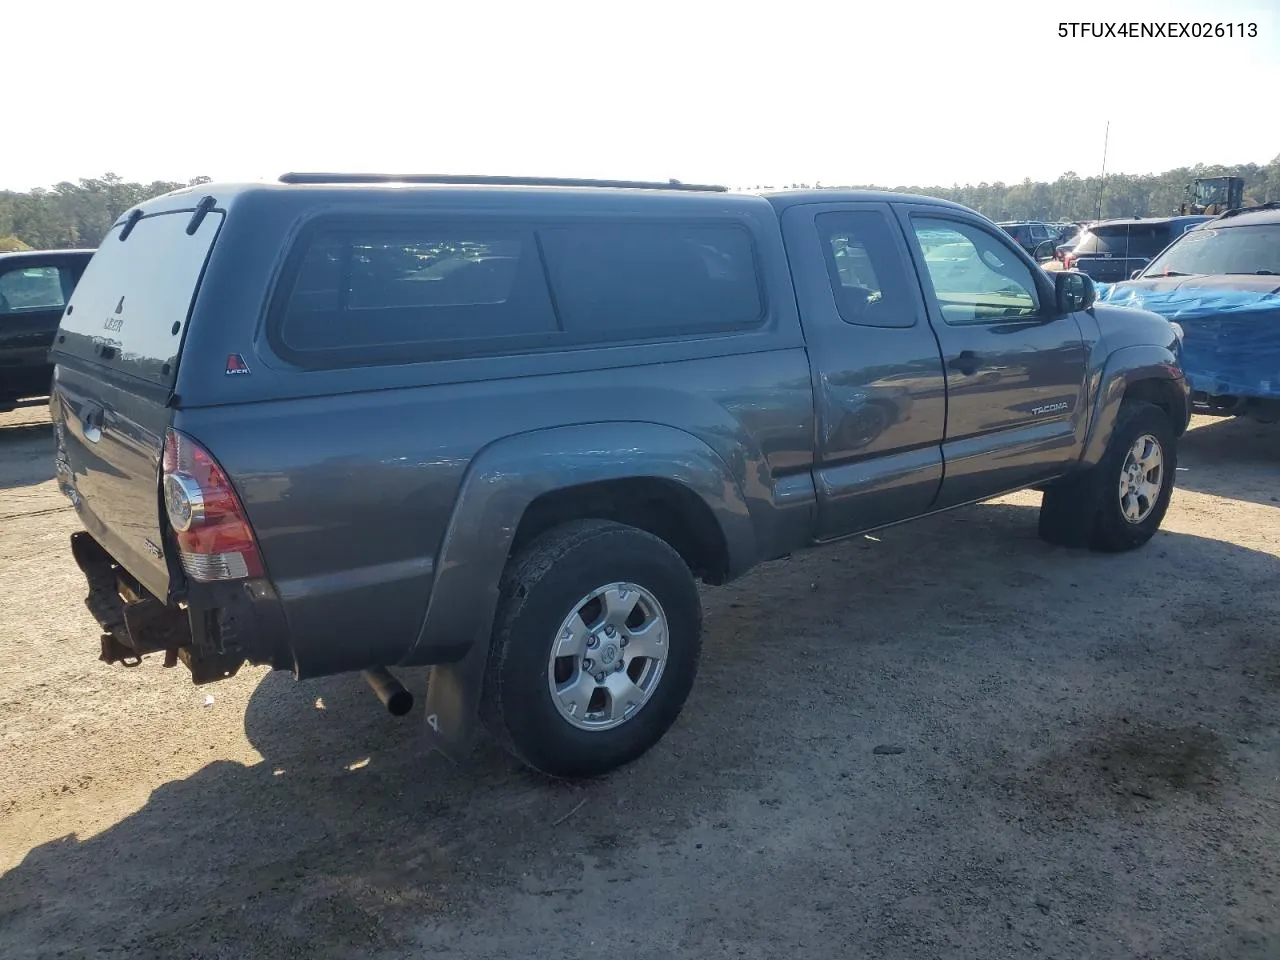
508, 475
1124, 367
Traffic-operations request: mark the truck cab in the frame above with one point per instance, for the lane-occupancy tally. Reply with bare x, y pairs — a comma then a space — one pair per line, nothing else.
1212, 196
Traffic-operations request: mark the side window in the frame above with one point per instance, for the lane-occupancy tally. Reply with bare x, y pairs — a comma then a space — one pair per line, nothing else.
975, 277
1113, 241
31, 290
435, 285
406, 293
1147, 241
619, 281
867, 274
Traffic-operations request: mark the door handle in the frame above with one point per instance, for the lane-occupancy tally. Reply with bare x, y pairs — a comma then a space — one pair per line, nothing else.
91, 418
967, 363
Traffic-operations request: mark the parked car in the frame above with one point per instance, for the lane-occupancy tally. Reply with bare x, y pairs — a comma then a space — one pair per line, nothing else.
1114, 249
34, 287
501, 427
1221, 283
1029, 233
1051, 252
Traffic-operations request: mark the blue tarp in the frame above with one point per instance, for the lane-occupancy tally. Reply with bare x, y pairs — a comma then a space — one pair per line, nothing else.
1231, 327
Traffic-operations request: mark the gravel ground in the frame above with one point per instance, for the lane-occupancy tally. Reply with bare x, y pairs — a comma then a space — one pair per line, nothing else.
1083, 759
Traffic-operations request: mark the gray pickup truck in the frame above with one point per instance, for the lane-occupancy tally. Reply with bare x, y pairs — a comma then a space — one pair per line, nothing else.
502, 427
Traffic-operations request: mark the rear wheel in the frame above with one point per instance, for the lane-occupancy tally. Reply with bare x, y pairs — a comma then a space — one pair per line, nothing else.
1119, 504
594, 649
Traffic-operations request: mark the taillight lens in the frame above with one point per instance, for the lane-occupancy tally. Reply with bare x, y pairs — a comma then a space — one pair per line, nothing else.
1068, 261
215, 541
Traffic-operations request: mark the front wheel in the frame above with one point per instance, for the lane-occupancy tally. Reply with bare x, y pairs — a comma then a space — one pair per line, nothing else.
594, 649
1119, 504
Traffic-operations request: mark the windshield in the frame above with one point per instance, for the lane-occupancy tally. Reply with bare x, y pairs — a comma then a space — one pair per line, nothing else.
1212, 192
1252, 249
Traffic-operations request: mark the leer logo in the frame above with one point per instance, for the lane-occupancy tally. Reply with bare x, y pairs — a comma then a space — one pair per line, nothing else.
236, 365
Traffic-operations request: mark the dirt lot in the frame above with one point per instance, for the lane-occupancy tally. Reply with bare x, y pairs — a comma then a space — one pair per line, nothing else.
1089, 765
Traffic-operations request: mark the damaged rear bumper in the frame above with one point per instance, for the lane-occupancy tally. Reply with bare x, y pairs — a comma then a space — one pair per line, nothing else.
217, 628
214, 630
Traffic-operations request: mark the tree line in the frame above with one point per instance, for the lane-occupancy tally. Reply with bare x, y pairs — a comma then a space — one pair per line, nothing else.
80, 214
1072, 197
72, 214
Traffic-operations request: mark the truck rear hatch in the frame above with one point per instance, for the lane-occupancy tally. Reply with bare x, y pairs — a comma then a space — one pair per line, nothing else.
116, 356
1110, 253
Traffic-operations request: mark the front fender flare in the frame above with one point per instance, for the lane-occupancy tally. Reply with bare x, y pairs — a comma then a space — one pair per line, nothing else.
1124, 367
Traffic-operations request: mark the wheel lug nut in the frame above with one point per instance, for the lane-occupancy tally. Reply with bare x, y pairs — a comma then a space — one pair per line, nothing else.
625, 641
609, 631
593, 641
617, 666
600, 677
587, 664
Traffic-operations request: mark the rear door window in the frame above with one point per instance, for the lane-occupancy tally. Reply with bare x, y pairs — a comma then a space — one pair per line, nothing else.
1146, 241
1134, 241
129, 309
867, 274
1101, 241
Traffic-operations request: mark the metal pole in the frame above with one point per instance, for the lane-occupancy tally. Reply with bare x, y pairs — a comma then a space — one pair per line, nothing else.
1102, 180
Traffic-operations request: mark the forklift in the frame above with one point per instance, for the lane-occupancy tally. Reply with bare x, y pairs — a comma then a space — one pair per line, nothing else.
1212, 195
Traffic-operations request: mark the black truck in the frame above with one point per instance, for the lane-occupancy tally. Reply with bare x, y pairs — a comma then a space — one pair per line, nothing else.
1114, 250
34, 288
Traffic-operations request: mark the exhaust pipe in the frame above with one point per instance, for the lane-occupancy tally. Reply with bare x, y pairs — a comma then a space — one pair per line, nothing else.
390, 691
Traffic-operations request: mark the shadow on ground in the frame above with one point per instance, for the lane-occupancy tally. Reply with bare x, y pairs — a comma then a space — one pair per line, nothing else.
26, 454
350, 837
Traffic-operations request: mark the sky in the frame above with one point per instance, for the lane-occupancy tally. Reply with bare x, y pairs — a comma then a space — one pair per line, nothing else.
890, 92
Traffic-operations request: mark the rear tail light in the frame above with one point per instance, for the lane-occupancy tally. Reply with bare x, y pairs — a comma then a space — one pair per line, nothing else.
1068, 261
215, 541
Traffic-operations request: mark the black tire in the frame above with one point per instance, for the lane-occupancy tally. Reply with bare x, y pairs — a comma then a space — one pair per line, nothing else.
538, 591
1085, 511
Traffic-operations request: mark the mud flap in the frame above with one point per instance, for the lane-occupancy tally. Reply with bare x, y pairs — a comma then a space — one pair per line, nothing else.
1069, 510
453, 703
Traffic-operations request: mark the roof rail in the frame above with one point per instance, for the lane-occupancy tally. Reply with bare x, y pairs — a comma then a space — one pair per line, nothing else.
1236, 211
467, 180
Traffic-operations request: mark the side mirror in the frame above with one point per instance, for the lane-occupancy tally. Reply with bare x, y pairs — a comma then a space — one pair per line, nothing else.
1043, 251
1074, 291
